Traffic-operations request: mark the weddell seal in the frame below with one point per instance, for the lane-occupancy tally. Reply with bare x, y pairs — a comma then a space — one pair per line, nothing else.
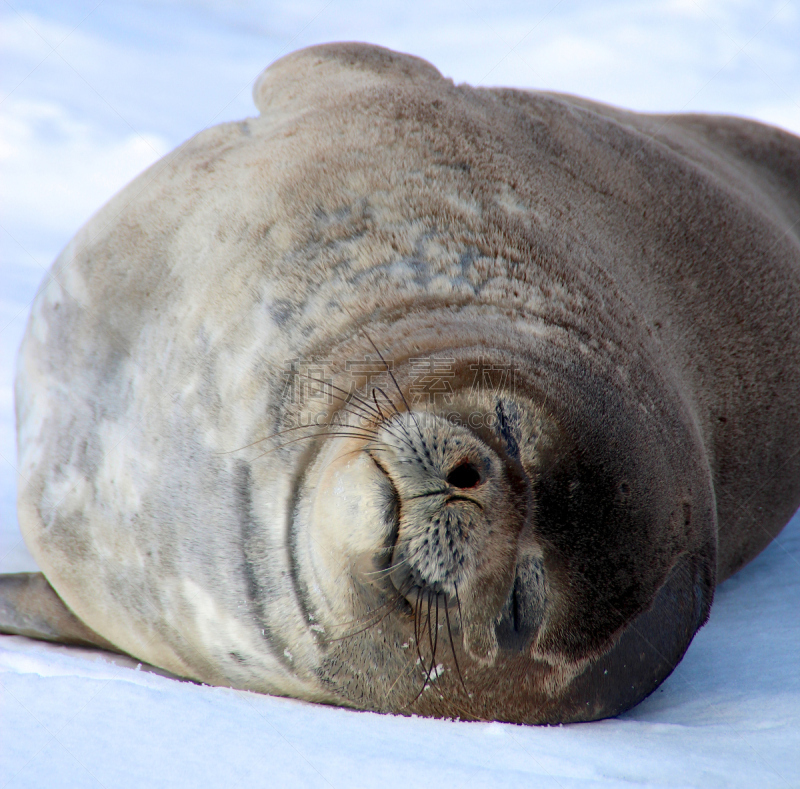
416, 397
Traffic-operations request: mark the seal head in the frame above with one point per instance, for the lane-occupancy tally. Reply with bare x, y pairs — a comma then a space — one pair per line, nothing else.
510, 561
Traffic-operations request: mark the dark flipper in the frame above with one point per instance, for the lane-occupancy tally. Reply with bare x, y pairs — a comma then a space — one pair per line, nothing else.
29, 606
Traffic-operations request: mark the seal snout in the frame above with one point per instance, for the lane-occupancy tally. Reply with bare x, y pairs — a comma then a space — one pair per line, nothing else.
458, 523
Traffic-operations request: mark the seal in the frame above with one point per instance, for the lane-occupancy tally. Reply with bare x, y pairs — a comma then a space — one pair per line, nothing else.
416, 397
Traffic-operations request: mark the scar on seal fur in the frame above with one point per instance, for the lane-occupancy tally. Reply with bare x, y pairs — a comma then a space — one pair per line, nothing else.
416, 397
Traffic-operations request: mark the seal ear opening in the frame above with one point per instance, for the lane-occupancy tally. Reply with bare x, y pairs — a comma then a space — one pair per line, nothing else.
317, 76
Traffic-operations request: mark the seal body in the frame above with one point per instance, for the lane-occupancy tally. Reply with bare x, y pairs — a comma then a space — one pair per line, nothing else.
417, 397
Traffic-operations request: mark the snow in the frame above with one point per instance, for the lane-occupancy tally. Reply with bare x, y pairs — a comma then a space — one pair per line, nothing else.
92, 94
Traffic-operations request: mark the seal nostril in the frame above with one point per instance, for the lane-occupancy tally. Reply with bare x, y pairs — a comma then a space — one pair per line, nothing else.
463, 476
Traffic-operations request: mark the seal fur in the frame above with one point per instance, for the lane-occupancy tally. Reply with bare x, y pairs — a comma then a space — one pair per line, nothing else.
639, 274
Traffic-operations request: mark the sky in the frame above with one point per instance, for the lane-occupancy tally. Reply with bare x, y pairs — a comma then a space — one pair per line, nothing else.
91, 93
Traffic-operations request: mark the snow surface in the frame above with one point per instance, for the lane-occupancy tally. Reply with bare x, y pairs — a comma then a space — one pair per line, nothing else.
94, 92
729, 716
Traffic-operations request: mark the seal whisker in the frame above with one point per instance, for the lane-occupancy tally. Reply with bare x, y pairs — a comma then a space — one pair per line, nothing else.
306, 438
394, 381
453, 649
380, 410
301, 427
458, 602
386, 425
387, 399
359, 450
345, 433
370, 412
375, 415
392, 606
427, 678
266, 438
403, 672
371, 428
398, 597
418, 633
428, 626
434, 669
420, 661
352, 397
403, 437
435, 632
409, 557
388, 570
